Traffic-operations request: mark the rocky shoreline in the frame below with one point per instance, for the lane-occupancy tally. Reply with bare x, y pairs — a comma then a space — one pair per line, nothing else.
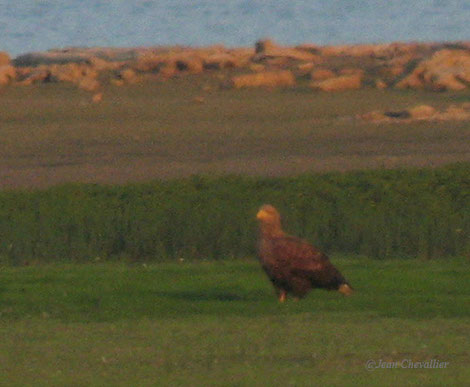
430, 66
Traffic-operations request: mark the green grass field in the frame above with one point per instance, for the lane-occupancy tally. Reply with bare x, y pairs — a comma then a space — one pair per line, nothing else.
219, 324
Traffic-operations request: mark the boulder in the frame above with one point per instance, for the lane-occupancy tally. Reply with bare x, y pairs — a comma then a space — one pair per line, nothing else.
88, 84
343, 82
117, 82
351, 71
96, 98
386, 51
242, 56
283, 78
265, 45
267, 49
28, 76
422, 112
148, 62
454, 112
218, 61
412, 81
99, 64
191, 64
396, 70
49, 58
167, 71
322, 74
76, 55
374, 115
447, 69
4, 58
356, 50
71, 72
380, 84
128, 75
305, 68
310, 47
7, 74
257, 67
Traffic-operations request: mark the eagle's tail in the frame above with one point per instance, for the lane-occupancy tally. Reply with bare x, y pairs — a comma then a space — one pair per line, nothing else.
345, 289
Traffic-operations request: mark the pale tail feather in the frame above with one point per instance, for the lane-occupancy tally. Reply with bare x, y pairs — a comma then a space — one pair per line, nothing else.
345, 289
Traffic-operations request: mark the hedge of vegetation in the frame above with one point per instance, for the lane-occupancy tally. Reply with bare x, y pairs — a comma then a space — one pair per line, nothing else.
384, 213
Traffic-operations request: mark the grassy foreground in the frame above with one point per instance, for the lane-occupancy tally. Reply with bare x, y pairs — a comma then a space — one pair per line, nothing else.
218, 323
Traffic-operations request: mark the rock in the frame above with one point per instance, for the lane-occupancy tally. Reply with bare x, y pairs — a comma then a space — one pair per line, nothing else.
4, 58
128, 75
82, 75
412, 81
117, 82
220, 61
396, 71
48, 58
77, 55
98, 97
305, 68
7, 74
191, 64
422, 112
199, 99
352, 71
264, 45
454, 112
242, 56
148, 62
283, 78
99, 64
447, 69
88, 84
447, 82
343, 82
33, 75
70, 72
167, 71
380, 84
267, 49
356, 50
257, 67
310, 47
372, 116
385, 51
322, 74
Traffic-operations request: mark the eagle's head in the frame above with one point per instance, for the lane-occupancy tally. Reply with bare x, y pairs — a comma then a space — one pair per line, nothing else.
269, 218
267, 213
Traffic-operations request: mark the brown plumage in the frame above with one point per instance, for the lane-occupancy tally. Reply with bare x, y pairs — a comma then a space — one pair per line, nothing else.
292, 264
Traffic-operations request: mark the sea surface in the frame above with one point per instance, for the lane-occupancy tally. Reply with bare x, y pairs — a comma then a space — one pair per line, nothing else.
37, 25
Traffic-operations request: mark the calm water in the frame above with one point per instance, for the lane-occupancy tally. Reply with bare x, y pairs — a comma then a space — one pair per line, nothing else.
35, 25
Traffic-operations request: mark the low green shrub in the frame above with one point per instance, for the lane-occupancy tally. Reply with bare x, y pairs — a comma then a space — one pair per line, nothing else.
382, 213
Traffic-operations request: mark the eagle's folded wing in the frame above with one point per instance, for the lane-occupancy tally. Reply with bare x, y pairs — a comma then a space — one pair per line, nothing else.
305, 261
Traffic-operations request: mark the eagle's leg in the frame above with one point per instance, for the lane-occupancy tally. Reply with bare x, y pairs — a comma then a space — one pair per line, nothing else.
282, 295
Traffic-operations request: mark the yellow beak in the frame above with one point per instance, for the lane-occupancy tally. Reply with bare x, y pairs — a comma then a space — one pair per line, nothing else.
262, 214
